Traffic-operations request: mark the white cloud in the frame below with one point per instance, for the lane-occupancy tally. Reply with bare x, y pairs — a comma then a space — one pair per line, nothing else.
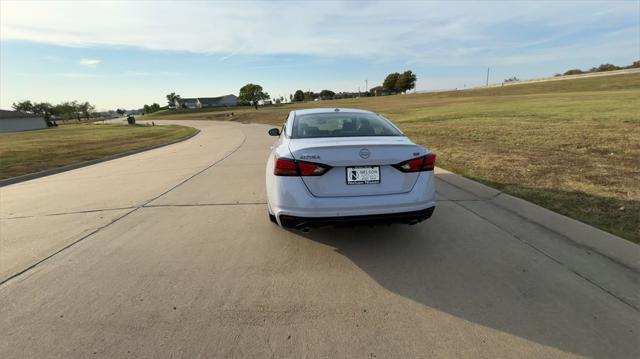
436, 31
89, 62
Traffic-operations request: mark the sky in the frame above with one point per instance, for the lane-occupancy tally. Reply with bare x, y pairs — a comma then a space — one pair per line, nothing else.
124, 54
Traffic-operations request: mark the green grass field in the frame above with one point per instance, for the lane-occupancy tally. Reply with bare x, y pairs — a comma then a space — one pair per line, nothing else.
572, 146
33, 151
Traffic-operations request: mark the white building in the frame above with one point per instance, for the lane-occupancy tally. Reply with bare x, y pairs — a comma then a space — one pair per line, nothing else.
14, 121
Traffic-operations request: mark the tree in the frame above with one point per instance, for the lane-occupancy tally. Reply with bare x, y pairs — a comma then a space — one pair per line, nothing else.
171, 98
121, 111
68, 110
634, 65
327, 94
86, 109
290, 97
406, 81
298, 96
390, 81
43, 108
151, 108
605, 67
252, 94
376, 91
573, 72
511, 79
23, 106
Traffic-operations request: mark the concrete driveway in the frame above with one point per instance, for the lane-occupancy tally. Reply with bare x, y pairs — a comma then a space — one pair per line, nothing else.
169, 253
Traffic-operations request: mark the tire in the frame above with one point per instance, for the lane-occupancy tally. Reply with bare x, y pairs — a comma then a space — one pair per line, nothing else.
272, 218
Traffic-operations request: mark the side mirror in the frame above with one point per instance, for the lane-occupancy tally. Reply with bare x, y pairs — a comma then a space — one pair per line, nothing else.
274, 132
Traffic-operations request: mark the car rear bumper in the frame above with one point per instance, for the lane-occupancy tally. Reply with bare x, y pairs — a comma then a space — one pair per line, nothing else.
290, 196
307, 223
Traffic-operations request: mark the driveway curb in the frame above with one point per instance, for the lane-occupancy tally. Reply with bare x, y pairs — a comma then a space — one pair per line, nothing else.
613, 247
30, 176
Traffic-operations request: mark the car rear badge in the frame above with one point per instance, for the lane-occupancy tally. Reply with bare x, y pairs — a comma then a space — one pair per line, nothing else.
309, 157
364, 153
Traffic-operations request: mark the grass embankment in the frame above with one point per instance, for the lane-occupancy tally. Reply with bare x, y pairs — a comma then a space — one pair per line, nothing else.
33, 151
572, 146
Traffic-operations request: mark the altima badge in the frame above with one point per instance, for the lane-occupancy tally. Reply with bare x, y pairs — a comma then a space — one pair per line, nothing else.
364, 153
309, 157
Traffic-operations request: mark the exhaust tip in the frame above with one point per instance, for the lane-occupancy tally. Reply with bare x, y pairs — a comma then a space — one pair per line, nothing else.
413, 222
305, 229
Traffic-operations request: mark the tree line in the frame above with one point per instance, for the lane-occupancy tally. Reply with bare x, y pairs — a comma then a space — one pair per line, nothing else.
251, 94
69, 110
601, 68
393, 84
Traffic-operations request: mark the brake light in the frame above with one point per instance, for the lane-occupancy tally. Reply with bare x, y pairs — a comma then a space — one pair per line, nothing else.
290, 167
285, 167
312, 169
418, 164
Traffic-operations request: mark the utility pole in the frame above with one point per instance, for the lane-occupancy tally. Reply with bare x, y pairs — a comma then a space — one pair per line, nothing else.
488, 76
366, 86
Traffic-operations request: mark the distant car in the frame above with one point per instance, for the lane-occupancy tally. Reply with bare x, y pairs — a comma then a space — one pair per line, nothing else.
346, 166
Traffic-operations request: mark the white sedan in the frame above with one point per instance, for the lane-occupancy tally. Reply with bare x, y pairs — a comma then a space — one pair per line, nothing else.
344, 166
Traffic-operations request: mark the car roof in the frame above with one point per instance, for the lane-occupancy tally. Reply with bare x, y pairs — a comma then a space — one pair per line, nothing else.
309, 111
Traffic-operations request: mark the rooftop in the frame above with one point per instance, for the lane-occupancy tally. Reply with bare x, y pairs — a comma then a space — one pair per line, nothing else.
5, 114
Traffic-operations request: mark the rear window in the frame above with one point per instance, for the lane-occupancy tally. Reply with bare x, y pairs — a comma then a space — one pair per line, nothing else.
342, 124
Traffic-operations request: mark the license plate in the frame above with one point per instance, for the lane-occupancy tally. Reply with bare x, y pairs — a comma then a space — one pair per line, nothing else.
363, 175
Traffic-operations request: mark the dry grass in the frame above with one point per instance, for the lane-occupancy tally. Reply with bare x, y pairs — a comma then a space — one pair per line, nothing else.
33, 151
572, 146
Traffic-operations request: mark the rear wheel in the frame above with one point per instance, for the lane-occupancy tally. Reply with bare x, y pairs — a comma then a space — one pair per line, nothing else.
272, 218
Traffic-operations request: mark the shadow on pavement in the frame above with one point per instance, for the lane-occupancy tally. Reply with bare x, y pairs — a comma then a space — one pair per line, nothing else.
609, 213
475, 271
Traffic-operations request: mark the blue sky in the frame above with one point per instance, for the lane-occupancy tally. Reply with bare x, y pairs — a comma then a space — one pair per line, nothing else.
126, 54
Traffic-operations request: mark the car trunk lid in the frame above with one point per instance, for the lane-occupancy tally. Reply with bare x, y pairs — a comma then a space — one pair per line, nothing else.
343, 152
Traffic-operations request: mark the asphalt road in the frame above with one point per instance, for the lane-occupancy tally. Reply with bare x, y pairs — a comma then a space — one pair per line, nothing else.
169, 253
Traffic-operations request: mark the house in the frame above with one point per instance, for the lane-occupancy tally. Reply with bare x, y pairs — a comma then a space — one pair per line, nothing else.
186, 103
228, 100
14, 121
201, 102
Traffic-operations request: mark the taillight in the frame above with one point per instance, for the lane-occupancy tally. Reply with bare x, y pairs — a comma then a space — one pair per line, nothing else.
418, 164
285, 167
312, 169
289, 167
